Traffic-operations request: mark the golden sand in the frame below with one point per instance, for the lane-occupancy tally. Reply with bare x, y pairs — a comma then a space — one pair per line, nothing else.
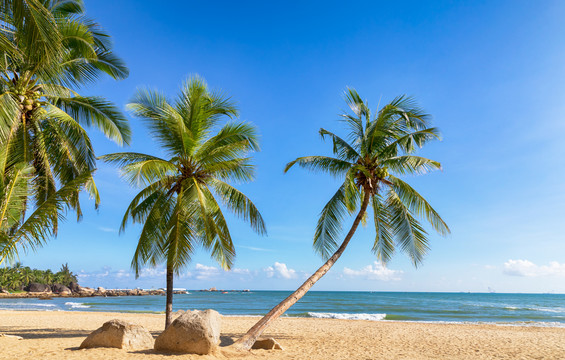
57, 335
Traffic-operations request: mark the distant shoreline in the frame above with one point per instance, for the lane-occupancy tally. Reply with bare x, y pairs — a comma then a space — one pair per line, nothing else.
101, 292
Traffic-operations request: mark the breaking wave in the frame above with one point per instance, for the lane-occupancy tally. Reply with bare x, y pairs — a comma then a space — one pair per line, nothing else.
76, 305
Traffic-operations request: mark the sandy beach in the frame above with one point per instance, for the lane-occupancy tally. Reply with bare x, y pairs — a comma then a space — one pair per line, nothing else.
57, 335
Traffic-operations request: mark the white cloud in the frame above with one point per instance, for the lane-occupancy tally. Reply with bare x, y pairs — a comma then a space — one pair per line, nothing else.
107, 229
528, 268
202, 272
152, 272
280, 270
240, 271
376, 271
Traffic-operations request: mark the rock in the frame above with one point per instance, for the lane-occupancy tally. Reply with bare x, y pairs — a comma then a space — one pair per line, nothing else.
119, 334
37, 287
74, 287
267, 344
101, 290
58, 289
85, 291
66, 293
4, 291
194, 332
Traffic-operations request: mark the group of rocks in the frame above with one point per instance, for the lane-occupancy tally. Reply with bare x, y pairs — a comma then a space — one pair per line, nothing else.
193, 332
74, 289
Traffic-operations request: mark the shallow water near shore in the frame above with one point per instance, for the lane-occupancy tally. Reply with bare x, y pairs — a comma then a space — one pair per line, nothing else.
511, 309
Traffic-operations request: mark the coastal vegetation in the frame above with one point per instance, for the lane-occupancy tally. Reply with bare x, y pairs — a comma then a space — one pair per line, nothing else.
49, 50
378, 150
179, 204
18, 277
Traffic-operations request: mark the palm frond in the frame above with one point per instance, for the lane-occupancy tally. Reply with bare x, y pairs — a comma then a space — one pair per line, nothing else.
332, 166
240, 205
91, 110
418, 205
330, 224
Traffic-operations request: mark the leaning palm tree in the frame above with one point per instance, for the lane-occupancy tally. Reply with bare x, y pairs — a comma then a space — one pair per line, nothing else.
179, 205
47, 50
377, 150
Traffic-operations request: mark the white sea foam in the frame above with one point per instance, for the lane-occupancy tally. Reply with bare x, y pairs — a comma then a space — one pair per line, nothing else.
75, 305
373, 317
552, 310
25, 304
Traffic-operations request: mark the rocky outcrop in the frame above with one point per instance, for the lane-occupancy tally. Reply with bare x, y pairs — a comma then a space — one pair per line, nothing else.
194, 332
37, 287
267, 344
58, 289
74, 287
119, 334
85, 291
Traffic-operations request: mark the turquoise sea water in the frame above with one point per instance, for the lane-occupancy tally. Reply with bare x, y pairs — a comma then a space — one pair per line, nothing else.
512, 309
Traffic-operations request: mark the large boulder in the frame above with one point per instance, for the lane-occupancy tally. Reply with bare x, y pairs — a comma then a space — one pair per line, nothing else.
74, 287
85, 291
37, 287
194, 332
119, 334
267, 344
59, 288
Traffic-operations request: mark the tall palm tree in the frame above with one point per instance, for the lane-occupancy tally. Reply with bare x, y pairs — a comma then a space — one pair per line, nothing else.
179, 205
48, 49
377, 150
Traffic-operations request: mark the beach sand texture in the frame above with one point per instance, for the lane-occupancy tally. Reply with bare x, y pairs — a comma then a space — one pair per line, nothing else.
57, 335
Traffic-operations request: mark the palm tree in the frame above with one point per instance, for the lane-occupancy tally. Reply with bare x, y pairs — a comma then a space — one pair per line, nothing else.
49, 48
377, 148
48, 277
178, 205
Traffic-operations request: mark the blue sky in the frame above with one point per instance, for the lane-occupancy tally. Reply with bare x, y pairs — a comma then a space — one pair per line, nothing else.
490, 73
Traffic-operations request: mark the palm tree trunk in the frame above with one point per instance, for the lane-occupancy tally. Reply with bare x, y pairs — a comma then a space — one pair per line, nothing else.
169, 306
247, 341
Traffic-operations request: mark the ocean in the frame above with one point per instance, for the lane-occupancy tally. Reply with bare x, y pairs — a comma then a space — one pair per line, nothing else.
504, 309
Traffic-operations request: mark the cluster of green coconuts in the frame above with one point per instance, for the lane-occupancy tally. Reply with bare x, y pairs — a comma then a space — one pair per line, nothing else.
29, 100
381, 173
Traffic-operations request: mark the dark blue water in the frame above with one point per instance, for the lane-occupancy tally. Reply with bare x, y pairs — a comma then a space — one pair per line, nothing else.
518, 309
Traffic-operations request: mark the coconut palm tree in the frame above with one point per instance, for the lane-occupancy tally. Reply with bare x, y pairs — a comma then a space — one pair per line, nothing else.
179, 205
370, 160
48, 49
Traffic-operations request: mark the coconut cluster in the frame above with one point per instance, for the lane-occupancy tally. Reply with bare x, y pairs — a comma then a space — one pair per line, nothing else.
381, 173
29, 100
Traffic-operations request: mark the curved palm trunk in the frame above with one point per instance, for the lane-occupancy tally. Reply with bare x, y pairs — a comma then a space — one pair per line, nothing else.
169, 306
247, 341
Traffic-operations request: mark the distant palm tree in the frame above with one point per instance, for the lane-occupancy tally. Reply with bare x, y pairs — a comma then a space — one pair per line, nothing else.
48, 49
375, 150
48, 277
179, 205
